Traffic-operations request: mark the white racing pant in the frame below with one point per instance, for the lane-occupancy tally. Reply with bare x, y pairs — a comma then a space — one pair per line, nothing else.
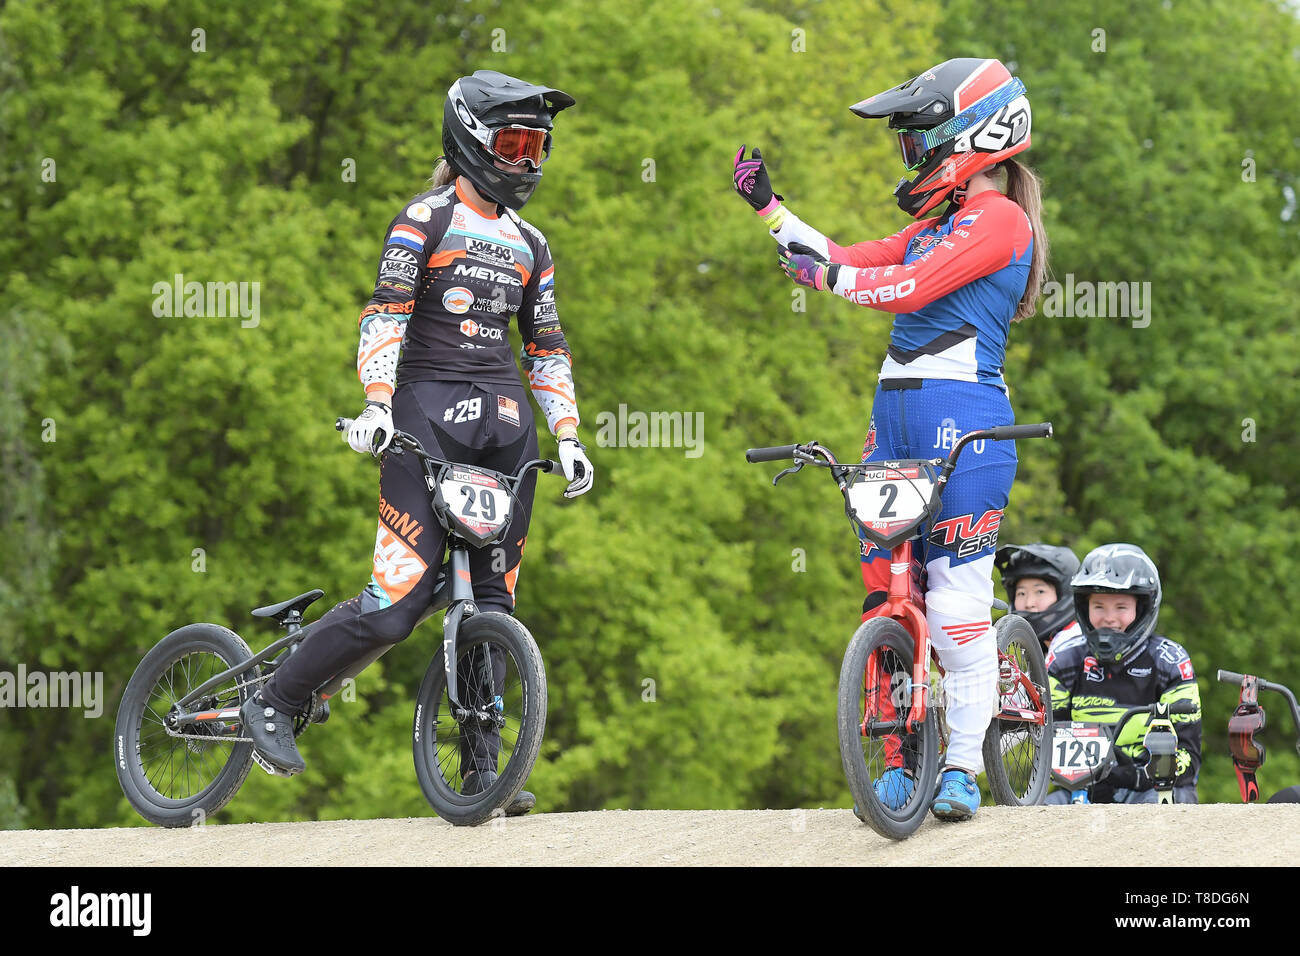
957, 606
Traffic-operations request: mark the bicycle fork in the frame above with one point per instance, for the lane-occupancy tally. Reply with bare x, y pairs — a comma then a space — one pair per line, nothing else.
462, 608
905, 603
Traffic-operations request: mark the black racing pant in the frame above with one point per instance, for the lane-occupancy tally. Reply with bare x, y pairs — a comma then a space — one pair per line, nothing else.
486, 425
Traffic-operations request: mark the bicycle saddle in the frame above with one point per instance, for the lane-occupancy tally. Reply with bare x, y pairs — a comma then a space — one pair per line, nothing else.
285, 608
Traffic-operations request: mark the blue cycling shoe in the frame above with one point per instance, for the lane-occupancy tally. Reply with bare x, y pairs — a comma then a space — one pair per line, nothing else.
959, 796
894, 788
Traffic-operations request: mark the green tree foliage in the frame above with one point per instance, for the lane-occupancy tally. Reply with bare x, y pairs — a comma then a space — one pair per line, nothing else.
1164, 165
692, 617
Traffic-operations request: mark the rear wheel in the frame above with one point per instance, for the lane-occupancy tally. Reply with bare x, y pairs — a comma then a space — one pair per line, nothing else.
501, 681
178, 775
891, 774
1017, 751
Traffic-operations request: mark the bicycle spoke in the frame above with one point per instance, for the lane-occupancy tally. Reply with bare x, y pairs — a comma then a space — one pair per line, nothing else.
486, 672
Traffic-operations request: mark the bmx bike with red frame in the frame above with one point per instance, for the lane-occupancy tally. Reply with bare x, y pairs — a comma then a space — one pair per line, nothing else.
891, 716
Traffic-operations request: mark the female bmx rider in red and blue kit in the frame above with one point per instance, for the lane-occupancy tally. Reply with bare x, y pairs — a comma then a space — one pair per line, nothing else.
954, 282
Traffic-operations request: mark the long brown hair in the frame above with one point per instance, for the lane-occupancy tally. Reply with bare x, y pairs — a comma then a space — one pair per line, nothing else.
1025, 189
443, 173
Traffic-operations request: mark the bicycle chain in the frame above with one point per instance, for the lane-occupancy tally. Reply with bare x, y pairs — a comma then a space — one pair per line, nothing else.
223, 738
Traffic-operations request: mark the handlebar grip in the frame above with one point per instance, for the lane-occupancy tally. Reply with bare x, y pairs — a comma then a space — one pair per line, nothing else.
1012, 432
1182, 707
776, 453
342, 424
1231, 677
549, 467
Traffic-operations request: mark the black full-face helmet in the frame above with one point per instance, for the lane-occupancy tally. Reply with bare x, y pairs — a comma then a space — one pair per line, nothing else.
490, 119
1118, 569
1054, 564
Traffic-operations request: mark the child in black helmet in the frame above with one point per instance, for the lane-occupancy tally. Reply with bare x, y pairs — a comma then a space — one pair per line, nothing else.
1036, 578
1117, 661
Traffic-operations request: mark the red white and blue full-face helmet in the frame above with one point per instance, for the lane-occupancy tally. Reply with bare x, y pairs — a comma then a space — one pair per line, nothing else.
953, 121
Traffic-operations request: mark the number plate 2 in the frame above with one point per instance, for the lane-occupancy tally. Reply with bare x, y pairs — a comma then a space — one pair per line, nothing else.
889, 500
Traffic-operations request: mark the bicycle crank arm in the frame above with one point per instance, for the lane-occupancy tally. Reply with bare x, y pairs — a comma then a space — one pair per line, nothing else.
206, 717
1017, 715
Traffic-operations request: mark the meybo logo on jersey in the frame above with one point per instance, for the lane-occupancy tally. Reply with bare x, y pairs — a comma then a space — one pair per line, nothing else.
457, 300
886, 293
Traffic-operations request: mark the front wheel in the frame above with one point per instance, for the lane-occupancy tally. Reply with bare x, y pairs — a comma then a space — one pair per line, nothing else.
177, 775
502, 686
891, 774
1017, 745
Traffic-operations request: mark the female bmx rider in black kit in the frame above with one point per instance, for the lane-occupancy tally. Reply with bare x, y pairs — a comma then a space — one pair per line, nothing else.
457, 263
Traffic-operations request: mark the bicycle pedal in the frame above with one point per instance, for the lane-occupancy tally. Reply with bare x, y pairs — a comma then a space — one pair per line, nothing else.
269, 767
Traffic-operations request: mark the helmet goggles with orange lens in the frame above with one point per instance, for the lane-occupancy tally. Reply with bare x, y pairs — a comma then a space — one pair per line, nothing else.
519, 144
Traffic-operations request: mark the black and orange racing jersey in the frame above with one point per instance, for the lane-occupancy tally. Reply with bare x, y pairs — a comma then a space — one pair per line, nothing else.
451, 276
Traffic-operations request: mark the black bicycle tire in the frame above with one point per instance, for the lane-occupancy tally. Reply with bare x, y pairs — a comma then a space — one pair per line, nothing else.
450, 805
154, 807
888, 823
1010, 628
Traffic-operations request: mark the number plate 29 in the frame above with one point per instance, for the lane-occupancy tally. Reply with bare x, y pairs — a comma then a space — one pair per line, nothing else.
476, 500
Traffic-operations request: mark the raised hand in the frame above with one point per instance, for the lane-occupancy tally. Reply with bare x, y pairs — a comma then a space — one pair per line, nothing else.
750, 179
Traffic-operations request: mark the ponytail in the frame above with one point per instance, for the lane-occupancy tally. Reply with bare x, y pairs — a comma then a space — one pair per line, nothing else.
443, 173
1024, 188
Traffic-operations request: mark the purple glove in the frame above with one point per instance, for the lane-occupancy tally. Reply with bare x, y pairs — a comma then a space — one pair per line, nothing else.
750, 179
806, 267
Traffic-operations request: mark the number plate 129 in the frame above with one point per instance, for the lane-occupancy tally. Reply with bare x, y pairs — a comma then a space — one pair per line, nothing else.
1078, 749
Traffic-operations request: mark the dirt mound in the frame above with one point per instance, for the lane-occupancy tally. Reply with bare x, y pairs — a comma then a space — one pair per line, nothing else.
1209, 834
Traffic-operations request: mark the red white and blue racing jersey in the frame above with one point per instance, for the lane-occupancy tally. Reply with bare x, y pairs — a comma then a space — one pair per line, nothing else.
953, 282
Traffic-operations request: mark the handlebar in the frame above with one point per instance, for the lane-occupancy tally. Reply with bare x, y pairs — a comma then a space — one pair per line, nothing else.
402, 440
1232, 677
1150, 710
817, 454
1012, 432
776, 453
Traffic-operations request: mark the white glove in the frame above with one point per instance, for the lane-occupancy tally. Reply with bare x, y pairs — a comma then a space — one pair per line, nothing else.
577, 467
377, 418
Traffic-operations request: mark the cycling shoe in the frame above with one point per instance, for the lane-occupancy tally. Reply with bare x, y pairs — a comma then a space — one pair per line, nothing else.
959, 796
894, 788
479, 781
272, 733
